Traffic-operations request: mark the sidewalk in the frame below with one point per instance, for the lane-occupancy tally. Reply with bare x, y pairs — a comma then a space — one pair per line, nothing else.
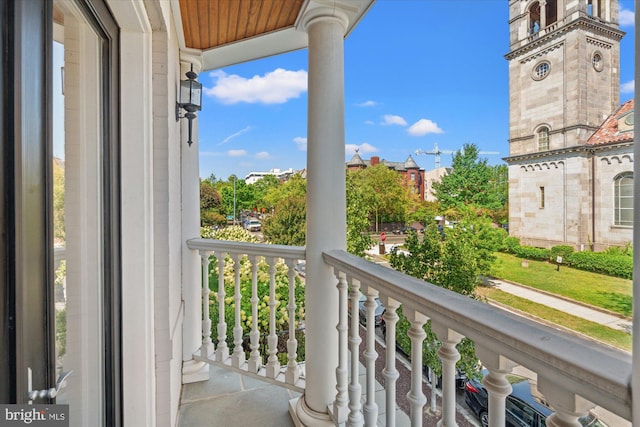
562, 304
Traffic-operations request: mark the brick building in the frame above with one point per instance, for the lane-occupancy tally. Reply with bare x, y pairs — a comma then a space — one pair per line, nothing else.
414, 175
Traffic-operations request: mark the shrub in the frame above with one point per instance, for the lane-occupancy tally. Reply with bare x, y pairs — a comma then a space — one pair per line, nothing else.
529, 252
611, 264
562, 250
510, 244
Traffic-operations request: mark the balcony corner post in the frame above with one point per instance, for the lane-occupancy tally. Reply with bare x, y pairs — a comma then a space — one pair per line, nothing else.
326, 207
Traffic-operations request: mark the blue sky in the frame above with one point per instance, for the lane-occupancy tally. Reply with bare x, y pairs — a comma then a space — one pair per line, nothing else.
417, 73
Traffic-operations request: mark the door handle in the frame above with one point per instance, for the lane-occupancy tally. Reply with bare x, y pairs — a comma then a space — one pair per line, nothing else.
48, 393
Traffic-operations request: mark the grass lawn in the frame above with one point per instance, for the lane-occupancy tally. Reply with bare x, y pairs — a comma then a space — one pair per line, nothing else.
613, 337
611, 293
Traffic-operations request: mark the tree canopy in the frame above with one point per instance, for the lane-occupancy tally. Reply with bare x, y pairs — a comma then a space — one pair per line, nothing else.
385, 195
472, 182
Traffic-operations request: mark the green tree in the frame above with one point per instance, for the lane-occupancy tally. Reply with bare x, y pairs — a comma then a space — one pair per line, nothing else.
470, 183
358, 239
58, 201
385, 193
448, 259
287, 225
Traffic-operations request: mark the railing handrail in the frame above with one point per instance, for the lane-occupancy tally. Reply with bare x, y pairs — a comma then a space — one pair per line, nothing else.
260, 249
597, 373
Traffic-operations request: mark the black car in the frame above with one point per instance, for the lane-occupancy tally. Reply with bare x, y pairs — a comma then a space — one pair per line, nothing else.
461, 377
522, 408
377, 318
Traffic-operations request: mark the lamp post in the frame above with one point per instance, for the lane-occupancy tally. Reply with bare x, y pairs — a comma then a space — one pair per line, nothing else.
189, 99
235, 178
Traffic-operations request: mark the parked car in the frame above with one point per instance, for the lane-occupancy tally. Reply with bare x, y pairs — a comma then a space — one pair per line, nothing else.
523, 407
301, 268
254, 225
377, 318
461, 377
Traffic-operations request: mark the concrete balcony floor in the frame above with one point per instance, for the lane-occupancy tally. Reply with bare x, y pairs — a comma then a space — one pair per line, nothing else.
229, 398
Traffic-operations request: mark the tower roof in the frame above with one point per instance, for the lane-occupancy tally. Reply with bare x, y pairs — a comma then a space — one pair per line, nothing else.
410, 163
356, 160
618, 127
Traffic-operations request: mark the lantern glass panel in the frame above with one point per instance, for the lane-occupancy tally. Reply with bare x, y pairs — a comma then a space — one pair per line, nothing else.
185, 92
196, 94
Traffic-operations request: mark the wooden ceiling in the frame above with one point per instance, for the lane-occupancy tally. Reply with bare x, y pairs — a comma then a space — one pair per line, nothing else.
211, 23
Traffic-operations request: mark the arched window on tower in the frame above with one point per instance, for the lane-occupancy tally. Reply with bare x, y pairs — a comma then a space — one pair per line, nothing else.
594, 8
543, 139
551, 12
623, 199
534, 18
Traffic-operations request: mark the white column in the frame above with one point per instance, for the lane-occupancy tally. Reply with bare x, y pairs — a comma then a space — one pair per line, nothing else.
543, 14
496, 383
448, 355
192, 370
568, 406
326, 207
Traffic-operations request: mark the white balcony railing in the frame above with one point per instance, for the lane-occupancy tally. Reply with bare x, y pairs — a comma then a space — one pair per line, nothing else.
263, 363
574, 374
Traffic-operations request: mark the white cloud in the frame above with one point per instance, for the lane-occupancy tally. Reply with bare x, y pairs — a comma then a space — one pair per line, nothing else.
628, 87
368, 103
389, 119
626, 17
363, 148
236, 153
275, 87
262, 155
423, 127
233, 135
369, 122
301, 142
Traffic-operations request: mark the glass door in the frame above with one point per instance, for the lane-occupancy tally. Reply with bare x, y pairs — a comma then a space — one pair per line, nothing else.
83, 214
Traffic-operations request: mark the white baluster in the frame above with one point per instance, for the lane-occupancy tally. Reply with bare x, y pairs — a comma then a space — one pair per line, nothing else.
293, 370
449, 355
370, 356
416, 396
255, 360
222, 352
568, 406
496, 383
355, 390
340, 408
207, 346
273, 365
390, 372
238, 357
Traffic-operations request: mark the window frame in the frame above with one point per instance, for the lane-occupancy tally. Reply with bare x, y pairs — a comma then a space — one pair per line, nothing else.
618, 198
542, 138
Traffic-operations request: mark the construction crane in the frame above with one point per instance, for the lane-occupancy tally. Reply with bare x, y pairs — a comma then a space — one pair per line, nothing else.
437, 151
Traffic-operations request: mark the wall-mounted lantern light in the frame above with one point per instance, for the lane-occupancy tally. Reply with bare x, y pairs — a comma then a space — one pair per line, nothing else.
189, 99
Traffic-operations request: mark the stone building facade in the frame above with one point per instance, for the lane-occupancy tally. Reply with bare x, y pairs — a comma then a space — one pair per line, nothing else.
570, 141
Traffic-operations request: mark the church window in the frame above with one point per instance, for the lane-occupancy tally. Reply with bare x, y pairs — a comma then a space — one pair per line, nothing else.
541, 197
534, 18
412, 176
541, 70
596, 61
551, 12
594, 8
543, 139
623, 199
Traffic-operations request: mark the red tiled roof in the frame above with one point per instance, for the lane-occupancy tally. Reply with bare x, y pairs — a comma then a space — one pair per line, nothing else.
609, 132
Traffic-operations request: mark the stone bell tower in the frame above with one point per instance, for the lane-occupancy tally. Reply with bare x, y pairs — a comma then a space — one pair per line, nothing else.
564, 62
